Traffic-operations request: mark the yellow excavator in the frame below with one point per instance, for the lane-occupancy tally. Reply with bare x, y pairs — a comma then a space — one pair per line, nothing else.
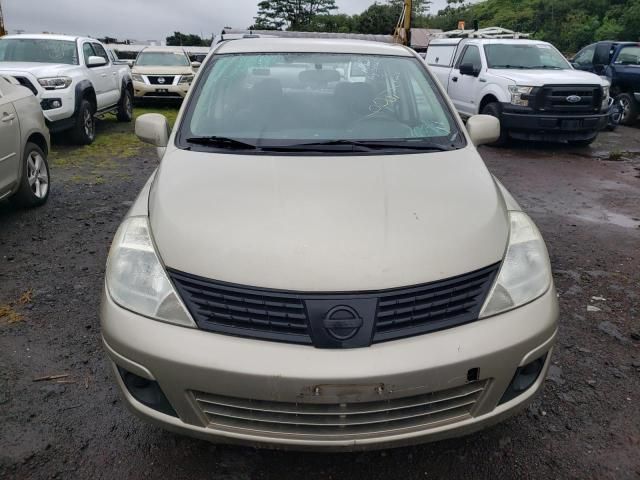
402, 32
2, 29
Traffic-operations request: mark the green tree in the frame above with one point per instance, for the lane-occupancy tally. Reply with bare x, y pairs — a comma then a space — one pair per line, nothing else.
291, 14
179, 39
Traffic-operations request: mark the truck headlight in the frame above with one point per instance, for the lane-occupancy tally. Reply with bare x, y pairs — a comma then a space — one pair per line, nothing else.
136, 77
517, 94
186, 79
137, 281
55, 83
525, 273
605, 98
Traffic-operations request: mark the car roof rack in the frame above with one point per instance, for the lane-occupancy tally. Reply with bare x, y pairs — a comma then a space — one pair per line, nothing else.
490, 32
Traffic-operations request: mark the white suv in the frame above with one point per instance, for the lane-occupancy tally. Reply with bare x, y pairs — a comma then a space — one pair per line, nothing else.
73, 77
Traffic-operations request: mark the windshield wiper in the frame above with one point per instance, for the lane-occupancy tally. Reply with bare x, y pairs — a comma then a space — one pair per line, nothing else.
222, 142
362, 146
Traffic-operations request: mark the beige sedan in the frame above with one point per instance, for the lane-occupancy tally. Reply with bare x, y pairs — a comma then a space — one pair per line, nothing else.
24, 146
325, 262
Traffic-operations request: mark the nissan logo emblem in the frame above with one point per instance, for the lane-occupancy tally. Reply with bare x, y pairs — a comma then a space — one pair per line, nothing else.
342, 322
574, 98
162, 80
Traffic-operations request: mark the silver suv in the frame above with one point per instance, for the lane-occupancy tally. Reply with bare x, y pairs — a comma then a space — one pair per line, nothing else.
322, 259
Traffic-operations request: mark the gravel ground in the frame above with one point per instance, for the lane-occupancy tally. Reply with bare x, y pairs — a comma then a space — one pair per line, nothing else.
584, 424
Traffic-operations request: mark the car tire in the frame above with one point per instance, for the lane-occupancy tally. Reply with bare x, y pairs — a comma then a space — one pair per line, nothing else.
629, 109
84, 131
125, 106
495, 110
583, 143
35, 179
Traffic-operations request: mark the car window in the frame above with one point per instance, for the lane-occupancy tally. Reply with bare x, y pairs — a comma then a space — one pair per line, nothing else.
38, 51
584, 58
100, 51
629, 55
87, 51
440, 55
163, 59
285, 99
525, 56
471, 56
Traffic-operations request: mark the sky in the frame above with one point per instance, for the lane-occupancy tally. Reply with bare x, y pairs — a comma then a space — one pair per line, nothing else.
142, 19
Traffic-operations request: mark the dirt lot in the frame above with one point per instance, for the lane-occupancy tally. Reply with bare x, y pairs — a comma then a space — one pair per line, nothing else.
585, 424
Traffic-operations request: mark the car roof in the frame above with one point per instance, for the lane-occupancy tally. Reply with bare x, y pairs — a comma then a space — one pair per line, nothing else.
163, 49
508, 41
311, 45
46, 36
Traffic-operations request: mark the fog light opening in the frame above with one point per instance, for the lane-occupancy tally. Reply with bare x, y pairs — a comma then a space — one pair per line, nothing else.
524, 378
473, 374
146, 392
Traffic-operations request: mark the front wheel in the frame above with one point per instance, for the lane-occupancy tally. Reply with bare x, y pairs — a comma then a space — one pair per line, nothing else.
629, 108
34, 182
125, 107
84, 131
495, 110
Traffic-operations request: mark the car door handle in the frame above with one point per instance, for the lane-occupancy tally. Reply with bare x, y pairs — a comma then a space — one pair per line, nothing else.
455, 79
8, 117
103, 75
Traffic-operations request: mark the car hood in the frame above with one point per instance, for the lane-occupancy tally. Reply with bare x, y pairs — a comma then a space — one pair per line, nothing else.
538, 78
38, 70
151, 70
327, 224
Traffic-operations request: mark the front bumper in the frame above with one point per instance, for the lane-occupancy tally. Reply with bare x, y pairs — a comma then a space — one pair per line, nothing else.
144, 90
562, 127
191, 365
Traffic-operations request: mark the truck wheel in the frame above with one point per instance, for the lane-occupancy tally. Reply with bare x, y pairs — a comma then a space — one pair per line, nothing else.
84, 131
125, 107
34, 183
495, 110
629, 109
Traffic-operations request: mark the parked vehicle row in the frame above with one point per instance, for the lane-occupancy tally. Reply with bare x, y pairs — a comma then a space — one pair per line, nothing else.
528, 85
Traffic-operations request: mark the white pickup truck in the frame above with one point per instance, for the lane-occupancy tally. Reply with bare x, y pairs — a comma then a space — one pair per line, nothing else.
532, 89
74, 79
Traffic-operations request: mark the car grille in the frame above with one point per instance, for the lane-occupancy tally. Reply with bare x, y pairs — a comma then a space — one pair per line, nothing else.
285, 316
553, 98
340, 420
154, 80
243, 311
25, 82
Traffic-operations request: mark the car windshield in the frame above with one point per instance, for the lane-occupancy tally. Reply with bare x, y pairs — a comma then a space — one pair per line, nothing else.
162, 59
38, 50
318, 102
525, 56
629, 55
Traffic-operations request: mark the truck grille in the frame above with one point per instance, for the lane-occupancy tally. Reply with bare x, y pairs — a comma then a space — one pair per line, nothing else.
155, 80
25, 82
555, 98
334, 421
286, 316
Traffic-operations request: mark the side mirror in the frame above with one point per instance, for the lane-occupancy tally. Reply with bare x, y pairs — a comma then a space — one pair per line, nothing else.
131, 63
469, 69
599, 69
195, 64
95, 61
483, 129
153, 128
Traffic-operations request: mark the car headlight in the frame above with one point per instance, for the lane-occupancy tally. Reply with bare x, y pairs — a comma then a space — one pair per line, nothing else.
525, 273
517, 94
136, 77
137, 281
55, 83
605, 98
605, 92
186, 79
